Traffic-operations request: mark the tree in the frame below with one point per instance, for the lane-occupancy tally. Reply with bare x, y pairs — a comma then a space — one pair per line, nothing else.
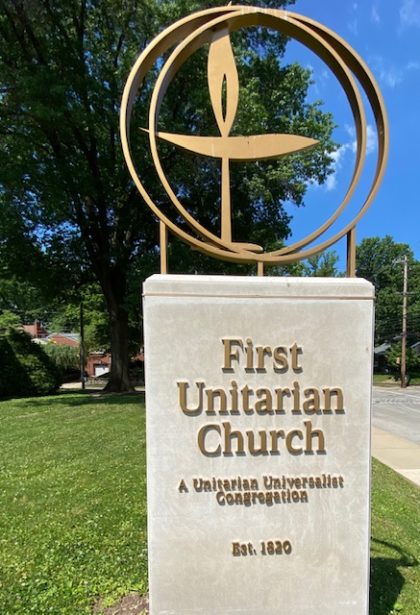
22, 299
322, 265
379, 260
66, 317
25, 367
63, 181
393, 357
66, 360
8, 321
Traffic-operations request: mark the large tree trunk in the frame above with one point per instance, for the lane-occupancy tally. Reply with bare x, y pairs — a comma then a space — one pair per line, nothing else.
114, 286
119, 380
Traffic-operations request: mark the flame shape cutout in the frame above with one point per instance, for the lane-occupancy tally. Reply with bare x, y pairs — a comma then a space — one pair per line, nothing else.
222, 69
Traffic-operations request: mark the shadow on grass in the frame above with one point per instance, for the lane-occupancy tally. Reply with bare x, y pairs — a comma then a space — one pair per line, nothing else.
386, 580
88, 398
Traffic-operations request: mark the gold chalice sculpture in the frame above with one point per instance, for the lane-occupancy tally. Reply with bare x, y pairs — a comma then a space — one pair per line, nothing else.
213, 26
222, 72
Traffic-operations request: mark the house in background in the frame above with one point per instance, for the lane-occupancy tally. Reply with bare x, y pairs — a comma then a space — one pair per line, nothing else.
64, 339
379, 353
98, 364
36, 330
380, 361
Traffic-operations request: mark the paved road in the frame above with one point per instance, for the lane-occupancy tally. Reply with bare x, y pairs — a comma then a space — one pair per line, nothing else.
397, 411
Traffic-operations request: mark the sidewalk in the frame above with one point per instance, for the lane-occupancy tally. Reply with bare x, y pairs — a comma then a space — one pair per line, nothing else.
399, 454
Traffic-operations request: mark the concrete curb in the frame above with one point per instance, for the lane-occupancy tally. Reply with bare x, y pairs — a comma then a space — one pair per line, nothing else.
399, 454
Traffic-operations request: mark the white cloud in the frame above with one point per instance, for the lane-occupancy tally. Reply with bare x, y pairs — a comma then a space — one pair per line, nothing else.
371, 141
413, 65
374, 14
409, 14
331, 182
351, 146
337, 156
392, 75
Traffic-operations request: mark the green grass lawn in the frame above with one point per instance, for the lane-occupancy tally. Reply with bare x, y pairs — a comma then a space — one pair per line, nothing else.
388, 380
395, 546
384, 379
73, 510
72, 502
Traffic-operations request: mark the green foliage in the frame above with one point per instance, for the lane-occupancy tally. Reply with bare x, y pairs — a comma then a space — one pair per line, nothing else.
64, 357
96, 320
271, 100
379, 260
25, 367
8, 321
322, 265
69, 211
393, 357
22, 298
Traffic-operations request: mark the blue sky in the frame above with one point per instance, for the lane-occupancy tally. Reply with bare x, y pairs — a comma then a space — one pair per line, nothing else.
386, 33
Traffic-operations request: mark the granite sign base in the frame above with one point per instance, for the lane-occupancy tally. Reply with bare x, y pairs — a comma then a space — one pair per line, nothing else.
258, 395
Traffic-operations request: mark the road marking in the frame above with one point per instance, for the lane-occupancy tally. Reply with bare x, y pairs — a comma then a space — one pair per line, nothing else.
406, 395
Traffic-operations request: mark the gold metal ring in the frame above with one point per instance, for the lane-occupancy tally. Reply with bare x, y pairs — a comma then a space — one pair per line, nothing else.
191, 33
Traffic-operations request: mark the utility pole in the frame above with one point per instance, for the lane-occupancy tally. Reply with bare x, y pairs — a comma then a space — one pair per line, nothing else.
404, 327
82, 347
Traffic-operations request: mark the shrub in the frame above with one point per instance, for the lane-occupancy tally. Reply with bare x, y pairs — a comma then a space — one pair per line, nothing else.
393, 357
25, 369
64, 357
8, 321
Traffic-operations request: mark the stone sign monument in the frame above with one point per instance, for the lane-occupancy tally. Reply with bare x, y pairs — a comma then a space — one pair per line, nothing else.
258, 389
